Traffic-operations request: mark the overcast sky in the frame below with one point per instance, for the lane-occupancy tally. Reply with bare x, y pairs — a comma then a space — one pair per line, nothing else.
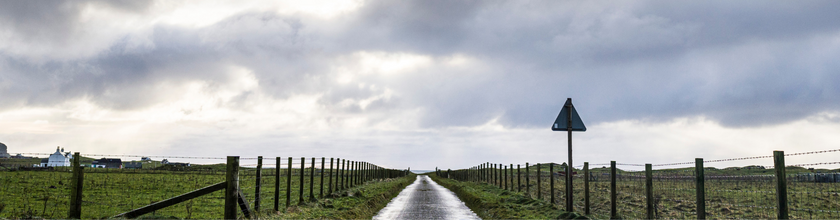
422, 83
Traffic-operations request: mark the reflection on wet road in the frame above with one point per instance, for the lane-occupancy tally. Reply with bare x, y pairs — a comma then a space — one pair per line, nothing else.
425, 199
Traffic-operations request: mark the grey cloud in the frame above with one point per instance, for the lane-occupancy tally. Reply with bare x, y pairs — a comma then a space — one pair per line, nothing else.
619, 61
741, 64
54, 22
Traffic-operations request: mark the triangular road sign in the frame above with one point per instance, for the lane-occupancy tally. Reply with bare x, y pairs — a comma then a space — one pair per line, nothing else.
562, 121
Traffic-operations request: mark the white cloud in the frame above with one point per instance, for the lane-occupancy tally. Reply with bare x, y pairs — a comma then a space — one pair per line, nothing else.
417, 84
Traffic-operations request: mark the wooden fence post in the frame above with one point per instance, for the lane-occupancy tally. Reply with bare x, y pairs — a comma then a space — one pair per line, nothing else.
331, 176
497, 175
343, 174
484, 173
350, 172
289, 183
781, 183
312, 181
539, 176
586, 188
232, 189
504, 178
76, 188
302, 176
323, 160
258, 184
700, 178
649, 190
511, 177
613, 211
488, 173
277, 167
527, 181
495, 179
551, 181
519, 177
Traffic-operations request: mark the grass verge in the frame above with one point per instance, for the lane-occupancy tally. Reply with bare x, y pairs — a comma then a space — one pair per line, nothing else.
360, 202
490, 202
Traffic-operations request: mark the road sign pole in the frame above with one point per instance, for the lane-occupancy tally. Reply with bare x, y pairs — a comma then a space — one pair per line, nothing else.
568, 120
569, 172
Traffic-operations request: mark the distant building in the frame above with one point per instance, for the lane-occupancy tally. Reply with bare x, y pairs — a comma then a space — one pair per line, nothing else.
165, 161
3, 151
108, 163
57, 159
145, 159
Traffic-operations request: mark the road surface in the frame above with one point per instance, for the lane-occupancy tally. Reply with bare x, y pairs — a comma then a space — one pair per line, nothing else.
425, 199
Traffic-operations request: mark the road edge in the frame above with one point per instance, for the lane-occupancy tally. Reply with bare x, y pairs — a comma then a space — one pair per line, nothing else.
475, 197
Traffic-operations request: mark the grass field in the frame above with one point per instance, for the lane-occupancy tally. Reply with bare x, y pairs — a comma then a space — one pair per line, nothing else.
730, 193
108, 192
490, 202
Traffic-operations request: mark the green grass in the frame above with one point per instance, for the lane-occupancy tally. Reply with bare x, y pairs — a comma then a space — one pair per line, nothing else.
491, 202
751, 194
361, 202
108, 192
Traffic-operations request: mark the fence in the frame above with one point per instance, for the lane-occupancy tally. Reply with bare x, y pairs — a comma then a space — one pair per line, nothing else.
210, 188
777, 191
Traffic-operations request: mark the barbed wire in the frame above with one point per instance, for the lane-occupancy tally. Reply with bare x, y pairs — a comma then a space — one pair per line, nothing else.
724, 160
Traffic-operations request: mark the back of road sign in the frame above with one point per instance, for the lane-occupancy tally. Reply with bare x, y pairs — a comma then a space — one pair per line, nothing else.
563, 119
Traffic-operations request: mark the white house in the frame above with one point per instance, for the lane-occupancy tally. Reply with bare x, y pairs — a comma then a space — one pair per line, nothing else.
58, 159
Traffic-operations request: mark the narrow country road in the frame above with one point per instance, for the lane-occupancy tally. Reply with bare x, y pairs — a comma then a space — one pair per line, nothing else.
425, 199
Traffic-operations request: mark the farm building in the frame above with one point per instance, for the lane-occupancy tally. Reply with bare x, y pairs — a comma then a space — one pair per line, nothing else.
108, 163
57, 159
3, 151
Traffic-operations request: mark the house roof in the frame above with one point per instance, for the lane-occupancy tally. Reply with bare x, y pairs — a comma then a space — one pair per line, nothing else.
108, 160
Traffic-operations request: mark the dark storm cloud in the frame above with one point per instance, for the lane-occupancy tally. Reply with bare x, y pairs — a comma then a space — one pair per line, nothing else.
738, 63
619, 60
54, 21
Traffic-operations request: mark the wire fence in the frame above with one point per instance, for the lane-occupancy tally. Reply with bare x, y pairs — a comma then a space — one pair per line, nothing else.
117, 184
684, 190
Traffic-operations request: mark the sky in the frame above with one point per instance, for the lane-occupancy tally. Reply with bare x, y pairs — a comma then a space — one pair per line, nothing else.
423, 84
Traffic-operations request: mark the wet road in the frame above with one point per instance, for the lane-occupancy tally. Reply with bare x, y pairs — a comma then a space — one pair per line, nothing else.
425, 199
